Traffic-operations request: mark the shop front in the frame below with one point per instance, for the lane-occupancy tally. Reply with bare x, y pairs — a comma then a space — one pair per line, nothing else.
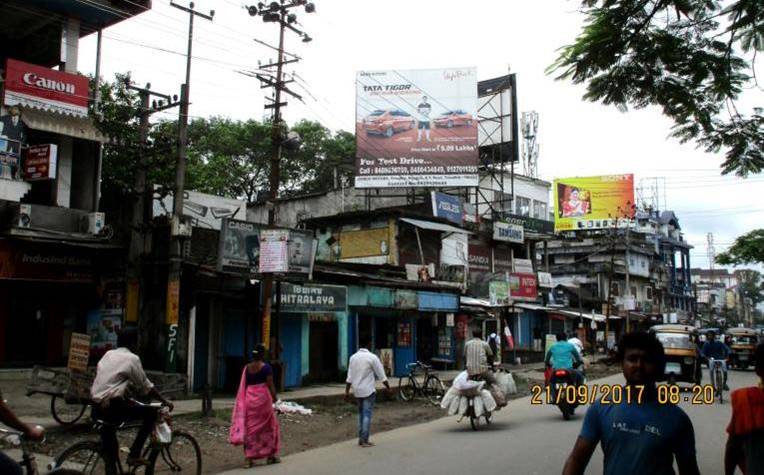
50, 290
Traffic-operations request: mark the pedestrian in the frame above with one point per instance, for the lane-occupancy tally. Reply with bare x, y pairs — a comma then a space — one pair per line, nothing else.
639, 435
364, 370
254, 424
745, 443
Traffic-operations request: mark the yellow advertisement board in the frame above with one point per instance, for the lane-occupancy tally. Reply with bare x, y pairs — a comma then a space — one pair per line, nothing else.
592, 202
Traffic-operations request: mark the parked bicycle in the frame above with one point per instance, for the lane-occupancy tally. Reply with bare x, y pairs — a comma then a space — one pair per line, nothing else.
431, 386
180, 453
28, 460
717, 378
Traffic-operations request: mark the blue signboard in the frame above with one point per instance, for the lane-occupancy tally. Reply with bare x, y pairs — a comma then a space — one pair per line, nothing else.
448, 207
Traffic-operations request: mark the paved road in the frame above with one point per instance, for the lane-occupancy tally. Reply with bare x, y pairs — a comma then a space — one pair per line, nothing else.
523, 439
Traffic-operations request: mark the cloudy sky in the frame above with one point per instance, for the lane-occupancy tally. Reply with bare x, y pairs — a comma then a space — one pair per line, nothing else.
576, 138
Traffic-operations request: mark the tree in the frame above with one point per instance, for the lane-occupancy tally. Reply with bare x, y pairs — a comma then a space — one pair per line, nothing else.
751, 286
683, 56
747, 249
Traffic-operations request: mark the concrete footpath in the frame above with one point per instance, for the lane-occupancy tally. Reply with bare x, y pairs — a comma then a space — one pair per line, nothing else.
36, 409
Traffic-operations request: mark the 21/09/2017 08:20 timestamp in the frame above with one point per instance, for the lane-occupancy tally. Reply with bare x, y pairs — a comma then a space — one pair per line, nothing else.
617, 394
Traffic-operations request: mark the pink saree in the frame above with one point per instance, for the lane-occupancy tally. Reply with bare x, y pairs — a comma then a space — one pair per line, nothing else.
253, 421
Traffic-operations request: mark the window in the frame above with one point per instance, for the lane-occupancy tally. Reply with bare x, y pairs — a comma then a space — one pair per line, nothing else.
649, 293
539, 210
523, 206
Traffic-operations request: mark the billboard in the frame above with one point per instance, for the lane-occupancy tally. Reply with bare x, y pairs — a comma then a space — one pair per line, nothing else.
447, 207
206, 210
592, 202
38, 87
416, 128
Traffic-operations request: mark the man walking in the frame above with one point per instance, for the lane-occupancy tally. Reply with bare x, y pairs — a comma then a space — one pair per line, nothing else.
640, 435
424, 108
746, 429
364, 370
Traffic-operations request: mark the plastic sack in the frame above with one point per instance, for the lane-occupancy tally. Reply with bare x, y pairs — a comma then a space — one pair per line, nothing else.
464, 404
477, 403
463, 384
289, 407
511, 386
163, 433
489, 403
450, 395
453, 408
502, 381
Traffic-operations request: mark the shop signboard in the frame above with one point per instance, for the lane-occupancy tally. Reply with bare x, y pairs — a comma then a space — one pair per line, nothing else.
40, 162
523, 287
545, 280
449, 319
534, 225
38, 87
508, 232
44, 262
523, 265
461, 327
365, 243
102, 327
313, 298
498, 292
447, 207
404, 334
79, 352
207, 211
470, 213
416, 128
406, 299
592, 202
239, 247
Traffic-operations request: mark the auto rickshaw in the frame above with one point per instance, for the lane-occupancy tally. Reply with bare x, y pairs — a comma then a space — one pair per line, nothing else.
744, 341
682, 355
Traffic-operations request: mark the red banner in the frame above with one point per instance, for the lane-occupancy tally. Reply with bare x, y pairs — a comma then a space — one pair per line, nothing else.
40, 162
523, 287
38, 87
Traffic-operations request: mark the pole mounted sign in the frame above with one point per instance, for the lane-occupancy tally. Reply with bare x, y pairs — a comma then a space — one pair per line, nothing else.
30, 85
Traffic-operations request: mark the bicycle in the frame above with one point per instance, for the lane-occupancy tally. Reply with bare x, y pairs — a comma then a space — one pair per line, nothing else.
431, 388
90, 457
28, 460
717, 378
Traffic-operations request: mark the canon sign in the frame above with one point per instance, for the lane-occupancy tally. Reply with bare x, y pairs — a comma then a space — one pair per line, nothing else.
37, 87
44, 83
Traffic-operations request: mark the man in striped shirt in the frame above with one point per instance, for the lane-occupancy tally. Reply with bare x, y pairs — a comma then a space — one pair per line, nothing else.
477, 352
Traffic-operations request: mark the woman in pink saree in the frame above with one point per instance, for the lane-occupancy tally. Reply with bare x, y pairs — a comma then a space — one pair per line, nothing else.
253, 423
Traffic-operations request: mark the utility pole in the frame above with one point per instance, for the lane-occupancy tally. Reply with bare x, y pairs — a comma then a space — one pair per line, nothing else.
277, 12
628, 282
176, 257
141, 213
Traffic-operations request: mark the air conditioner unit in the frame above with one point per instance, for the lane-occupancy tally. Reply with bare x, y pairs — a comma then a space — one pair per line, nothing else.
25, 216
96, 222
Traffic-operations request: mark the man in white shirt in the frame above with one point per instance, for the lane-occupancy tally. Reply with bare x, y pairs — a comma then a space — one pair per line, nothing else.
578, 344
364, 370
118, 375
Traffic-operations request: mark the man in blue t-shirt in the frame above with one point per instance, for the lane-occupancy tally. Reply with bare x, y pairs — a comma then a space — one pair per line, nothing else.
641, 436
564, 355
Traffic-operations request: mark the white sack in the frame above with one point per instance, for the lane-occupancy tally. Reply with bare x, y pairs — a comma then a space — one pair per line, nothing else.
477, 403
464, 404
489, 403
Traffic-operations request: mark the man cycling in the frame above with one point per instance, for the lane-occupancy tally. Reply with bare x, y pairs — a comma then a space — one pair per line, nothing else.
119, 374
716, 350
8, 466
564, 355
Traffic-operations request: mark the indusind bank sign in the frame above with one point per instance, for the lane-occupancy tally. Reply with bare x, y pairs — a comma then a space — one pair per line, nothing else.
313, 298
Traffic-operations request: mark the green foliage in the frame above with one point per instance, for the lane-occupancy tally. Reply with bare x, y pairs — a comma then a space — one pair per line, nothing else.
680, 55
751, 285
747, 249
225, 157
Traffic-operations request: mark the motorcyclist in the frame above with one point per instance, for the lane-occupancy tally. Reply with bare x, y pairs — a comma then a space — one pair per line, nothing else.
9, 466
717, 350
564, 355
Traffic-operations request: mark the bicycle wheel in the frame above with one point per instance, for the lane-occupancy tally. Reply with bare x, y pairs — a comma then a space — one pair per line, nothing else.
182, 455
86, 458
719, 383
406, 388
434, 389
64, 413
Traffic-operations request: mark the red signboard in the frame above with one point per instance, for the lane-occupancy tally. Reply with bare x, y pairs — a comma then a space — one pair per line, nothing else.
479, 257
35, 86
523, 287
40, 162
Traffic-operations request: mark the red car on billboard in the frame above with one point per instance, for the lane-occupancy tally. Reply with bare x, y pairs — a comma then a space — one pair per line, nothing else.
388, 122
454, 118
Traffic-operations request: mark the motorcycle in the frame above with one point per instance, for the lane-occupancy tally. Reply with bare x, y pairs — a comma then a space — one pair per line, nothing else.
560, 380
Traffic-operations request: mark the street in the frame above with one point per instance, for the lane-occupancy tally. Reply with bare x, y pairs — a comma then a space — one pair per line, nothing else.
522, 439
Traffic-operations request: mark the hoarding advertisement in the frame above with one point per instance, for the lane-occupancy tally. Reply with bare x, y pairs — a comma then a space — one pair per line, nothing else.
38, 87
508, 232
592, 202
416, 128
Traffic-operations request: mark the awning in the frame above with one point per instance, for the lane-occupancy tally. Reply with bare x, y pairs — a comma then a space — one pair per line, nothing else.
435, 226
530, 306
77, 127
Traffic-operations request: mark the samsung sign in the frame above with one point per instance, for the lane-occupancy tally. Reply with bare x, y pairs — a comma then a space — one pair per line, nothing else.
508, 232
448, 207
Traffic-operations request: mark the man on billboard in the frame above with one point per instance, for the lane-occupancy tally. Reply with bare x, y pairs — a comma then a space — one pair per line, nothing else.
424, 108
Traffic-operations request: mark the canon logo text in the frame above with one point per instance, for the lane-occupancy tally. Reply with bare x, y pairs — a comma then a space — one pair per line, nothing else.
43, 83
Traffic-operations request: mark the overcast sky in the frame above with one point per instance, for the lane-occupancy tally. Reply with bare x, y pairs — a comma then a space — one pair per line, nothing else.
576, 138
